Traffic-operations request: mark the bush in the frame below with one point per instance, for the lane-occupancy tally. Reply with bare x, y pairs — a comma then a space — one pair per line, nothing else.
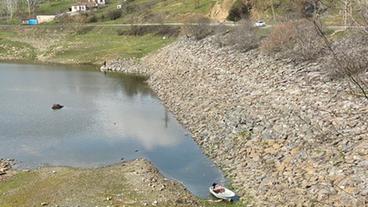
137, 30
170, 31
243, 37
92, 18
280, 39
309, 8
66, 19
349, 60
298, 40
240, 10
351, 56
161, 30
114, 14
198, 27
84, 30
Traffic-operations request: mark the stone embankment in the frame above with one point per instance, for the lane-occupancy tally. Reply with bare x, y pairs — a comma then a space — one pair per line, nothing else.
285, 134
5, 167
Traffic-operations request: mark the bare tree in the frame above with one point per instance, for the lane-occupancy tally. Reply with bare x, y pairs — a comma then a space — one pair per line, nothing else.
31, 5
243, 37
198, 27
350, 64
356, 14
11, 6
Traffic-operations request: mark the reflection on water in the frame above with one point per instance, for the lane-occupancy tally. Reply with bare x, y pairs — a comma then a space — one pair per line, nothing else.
106, 118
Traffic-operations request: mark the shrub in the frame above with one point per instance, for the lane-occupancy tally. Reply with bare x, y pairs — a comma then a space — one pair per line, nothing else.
240, 10
298, 40
170, 31
243, 37
84, 30
198, 27
139, 30
349, 59
161, 30
309, 8
66, 19
280, 39
114, 14
92, 18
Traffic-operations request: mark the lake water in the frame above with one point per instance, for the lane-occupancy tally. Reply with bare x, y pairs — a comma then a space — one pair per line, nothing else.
106, 118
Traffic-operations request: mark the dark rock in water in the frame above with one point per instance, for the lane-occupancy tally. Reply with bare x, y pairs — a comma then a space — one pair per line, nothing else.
57, 107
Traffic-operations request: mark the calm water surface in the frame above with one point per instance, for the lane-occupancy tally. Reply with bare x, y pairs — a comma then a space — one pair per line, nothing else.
106, 118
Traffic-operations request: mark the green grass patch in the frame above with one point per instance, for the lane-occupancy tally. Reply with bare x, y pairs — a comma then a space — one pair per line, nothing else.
17, 181
54, 7
30, 189
181, 7
14, 50
73, 45
104, 44
157, 10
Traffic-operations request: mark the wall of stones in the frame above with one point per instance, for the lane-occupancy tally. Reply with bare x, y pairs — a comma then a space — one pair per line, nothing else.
284, 133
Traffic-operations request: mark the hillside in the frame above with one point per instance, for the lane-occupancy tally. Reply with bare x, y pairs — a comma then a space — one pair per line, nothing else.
145, 11
131, 11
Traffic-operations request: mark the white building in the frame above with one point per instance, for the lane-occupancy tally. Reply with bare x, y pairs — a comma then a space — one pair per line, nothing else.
101, 2
85, 5
45, 18
79, 8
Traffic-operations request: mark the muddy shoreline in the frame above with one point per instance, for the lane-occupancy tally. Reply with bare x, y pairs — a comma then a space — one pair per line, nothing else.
135, 182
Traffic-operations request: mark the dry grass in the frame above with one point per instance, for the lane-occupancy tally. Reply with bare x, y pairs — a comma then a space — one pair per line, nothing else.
198, 27
298, 40
243, 37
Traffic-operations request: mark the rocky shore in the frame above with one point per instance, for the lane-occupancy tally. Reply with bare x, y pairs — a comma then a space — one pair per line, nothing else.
284, 133
5, 168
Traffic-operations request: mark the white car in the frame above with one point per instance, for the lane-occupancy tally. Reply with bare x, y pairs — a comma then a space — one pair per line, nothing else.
260, 24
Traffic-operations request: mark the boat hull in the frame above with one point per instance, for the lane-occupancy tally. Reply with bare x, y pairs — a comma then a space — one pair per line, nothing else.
226, 195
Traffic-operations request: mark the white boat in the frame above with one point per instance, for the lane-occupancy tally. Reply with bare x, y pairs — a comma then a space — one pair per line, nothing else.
226, 194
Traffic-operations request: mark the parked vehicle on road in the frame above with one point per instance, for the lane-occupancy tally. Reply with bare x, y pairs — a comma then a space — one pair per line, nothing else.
260, 23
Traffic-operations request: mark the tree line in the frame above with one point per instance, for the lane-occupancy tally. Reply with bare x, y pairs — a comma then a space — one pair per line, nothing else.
9, 8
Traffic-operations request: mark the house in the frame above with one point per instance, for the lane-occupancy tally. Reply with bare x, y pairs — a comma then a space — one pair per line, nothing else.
92, 3
45, 18
79, 8
30, 21
89, 3
101, 2
85, 5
